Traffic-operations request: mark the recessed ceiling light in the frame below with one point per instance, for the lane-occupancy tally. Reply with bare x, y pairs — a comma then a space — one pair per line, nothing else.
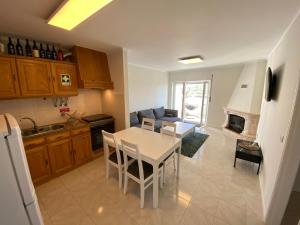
72, 12
191, 59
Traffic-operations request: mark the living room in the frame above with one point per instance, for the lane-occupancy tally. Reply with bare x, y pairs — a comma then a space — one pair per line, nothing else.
150, 112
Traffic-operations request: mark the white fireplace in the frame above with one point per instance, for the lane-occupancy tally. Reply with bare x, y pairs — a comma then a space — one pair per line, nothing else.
242, 125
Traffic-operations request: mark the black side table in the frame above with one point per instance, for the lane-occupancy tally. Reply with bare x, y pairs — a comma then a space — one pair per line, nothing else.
248, 155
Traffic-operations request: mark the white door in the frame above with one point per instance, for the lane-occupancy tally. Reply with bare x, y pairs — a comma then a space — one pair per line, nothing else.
191, 99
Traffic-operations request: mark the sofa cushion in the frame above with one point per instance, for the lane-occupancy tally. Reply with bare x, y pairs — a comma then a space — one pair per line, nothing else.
148, 113
170, 119
134, 120
159, 112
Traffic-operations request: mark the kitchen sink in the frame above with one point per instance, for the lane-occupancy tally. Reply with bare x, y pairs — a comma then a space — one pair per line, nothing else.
42, 130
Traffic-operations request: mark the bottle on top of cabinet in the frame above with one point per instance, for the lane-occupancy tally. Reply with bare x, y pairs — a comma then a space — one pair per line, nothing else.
19, 48
60, 55
42, 51
53, 53
10, 47
35, 50
28, 50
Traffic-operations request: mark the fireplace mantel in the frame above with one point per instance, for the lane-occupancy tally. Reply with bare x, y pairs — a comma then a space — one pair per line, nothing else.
251, 122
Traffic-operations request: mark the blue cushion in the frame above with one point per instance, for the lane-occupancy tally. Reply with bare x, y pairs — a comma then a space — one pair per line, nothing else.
134, 120
159, 112
148, 113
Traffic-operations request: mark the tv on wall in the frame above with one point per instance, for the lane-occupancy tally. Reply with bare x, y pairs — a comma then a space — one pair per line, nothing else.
270, 85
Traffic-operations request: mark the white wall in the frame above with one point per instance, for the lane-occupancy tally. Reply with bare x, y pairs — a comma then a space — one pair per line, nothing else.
43, 110
276, 117
224, 82
249, 99
147, 88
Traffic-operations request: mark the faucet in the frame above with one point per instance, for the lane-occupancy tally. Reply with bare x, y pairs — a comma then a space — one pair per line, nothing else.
35, 127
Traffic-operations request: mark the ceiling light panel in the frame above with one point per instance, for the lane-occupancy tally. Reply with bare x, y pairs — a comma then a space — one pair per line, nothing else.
190, 59
73, 12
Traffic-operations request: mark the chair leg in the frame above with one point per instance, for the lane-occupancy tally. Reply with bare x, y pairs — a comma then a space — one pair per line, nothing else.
164, 172
107, 170
125, 182
120, 177
142, 190
174, 162
161, 179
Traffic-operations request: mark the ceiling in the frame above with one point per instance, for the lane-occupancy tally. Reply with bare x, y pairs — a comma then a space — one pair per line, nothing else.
158, 32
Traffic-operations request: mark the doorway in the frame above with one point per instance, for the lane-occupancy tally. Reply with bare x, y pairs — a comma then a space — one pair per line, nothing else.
191, 99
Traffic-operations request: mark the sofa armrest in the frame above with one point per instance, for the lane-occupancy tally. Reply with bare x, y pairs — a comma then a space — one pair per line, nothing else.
171, 113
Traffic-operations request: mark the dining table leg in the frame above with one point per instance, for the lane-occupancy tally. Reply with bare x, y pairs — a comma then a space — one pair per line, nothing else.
155, 185
178, 159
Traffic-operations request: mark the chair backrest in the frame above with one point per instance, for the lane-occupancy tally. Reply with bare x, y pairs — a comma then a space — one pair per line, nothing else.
168, 128
109, 142
132, 150
148, 124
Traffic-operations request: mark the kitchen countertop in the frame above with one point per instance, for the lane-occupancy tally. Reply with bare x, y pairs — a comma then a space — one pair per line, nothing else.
68, 127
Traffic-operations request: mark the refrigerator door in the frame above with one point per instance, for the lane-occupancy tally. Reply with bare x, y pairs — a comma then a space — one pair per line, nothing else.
11, 204
17, 153
34, 213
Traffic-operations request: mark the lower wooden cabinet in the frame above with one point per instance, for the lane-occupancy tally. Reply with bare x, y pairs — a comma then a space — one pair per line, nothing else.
61, 156
82, 148
52, 155
38, 162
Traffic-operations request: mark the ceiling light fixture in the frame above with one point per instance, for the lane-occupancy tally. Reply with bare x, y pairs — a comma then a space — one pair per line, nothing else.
191, 59
72, 12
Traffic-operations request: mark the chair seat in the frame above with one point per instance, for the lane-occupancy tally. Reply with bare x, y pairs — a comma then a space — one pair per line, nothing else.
133, 169
113, 157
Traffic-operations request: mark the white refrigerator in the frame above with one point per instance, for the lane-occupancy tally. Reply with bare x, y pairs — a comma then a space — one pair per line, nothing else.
18, 202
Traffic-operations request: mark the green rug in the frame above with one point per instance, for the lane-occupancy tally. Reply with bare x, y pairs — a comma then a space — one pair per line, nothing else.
191, 144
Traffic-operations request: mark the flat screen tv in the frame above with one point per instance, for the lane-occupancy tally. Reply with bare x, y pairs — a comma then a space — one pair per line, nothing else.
270, 85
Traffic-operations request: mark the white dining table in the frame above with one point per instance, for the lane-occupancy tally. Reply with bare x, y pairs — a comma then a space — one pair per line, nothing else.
154, 148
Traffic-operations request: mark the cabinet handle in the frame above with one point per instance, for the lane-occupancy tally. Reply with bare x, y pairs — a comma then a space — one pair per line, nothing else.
14, 77
46, 161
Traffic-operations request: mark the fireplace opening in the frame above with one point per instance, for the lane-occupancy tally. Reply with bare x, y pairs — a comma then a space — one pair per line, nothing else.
236, 123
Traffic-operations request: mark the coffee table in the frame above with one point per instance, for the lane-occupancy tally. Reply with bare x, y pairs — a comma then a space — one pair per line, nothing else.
183, 129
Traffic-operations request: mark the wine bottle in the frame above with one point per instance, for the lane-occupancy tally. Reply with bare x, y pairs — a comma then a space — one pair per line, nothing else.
53, 53
35, 50
19, 48
28, 50
48, 52
10, 47
60, 55
42, 51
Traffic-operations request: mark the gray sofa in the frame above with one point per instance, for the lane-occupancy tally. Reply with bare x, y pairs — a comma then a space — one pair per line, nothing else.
158, 114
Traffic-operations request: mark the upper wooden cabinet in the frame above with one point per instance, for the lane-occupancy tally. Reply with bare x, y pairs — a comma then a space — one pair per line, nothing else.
93, 69
9, 87
64, 79
35, 77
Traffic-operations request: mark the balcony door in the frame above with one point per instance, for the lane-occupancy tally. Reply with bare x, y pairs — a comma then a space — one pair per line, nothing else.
191, 100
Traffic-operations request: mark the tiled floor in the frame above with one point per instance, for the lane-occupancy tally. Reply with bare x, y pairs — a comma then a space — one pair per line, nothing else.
209, 192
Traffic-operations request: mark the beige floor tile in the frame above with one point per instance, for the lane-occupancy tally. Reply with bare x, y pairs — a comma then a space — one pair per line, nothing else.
209, 192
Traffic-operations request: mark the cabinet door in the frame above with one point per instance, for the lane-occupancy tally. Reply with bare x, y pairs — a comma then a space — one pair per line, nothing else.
65, 79
35, 77
9, 87
38, 162
82, 148
61, 156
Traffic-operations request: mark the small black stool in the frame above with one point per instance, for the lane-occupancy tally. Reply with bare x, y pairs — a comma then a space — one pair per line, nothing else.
248, 155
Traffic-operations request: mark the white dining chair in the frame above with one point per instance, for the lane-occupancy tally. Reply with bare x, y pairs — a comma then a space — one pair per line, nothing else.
113, 156
139, 171
168, 128
148, 124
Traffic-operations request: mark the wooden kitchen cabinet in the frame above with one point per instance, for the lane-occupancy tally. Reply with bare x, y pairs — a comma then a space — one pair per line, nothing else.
61, 156
82, 148
35, 77
93, 69
9, 87
64, 79
38, 162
